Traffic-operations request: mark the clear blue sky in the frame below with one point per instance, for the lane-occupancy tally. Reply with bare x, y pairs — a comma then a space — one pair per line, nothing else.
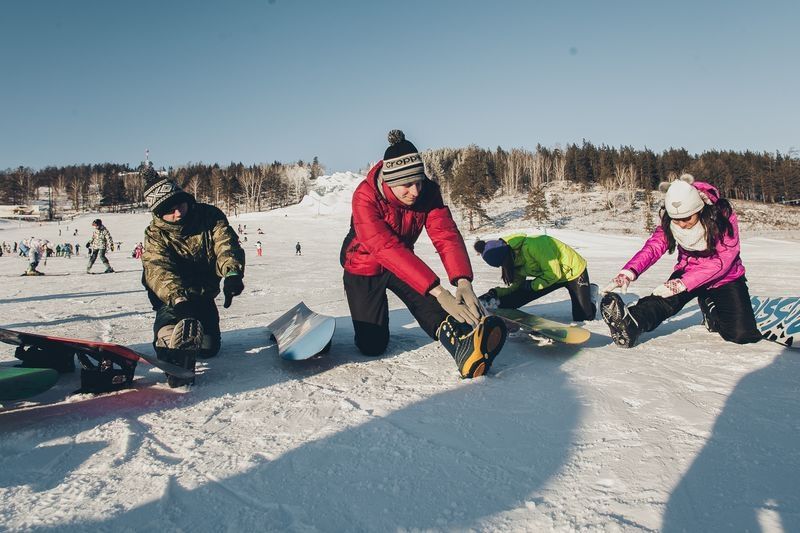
87, 81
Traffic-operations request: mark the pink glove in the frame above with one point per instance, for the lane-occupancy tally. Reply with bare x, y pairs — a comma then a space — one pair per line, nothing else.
620, 281
670, 288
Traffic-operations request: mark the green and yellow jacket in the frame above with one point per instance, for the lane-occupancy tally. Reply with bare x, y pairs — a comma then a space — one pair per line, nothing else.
188, 259
544, 259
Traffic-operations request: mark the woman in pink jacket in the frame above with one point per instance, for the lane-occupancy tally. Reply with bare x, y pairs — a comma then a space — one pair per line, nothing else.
705, 231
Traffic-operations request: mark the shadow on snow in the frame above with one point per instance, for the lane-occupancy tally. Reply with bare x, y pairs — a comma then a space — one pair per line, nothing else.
483, 447
746, 476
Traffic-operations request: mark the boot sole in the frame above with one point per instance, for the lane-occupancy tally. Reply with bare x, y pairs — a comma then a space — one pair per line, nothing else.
613, 315
494, 337
476, 364
488, 339
188, 336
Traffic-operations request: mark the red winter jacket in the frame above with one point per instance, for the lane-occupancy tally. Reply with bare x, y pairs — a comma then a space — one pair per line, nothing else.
383, 232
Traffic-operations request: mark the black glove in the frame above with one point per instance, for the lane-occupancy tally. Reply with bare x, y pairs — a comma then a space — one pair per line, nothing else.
232, 286
182, 309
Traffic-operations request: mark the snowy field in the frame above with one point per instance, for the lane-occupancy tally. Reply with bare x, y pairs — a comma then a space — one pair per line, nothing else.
682, 432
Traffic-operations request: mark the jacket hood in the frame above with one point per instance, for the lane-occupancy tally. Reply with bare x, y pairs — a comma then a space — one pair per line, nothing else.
709, 190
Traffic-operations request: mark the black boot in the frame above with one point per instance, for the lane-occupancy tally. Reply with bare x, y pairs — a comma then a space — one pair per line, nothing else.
624, 329
473, 349
710, 315
182, 348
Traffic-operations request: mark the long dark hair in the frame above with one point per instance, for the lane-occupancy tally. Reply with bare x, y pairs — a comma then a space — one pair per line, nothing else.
715, 218
507, 268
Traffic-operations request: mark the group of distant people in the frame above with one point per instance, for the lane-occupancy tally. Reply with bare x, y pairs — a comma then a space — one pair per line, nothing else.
37, 250
298, 250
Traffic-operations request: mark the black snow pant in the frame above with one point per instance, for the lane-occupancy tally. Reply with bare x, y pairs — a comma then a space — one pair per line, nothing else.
203, 310
98, 254
727, 310
369, 308
579, 293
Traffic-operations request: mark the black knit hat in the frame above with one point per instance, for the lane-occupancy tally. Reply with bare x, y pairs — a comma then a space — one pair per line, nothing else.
402, 163
161, 193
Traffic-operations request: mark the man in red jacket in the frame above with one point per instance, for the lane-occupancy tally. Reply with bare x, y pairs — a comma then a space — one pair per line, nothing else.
390, 209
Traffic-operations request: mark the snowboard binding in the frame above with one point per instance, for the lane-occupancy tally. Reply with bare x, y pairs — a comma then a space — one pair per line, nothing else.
108, 373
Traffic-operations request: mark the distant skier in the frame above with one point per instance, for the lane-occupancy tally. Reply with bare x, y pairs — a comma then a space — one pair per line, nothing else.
101, 243
189, 247
533, 266
705, 231
297, 250
390, 209
35, 250
137, 251
258, 248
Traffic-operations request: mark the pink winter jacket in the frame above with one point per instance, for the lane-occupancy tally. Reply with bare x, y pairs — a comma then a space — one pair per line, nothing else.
700, 269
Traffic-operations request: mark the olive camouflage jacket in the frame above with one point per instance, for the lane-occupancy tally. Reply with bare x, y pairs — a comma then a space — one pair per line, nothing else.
187, 260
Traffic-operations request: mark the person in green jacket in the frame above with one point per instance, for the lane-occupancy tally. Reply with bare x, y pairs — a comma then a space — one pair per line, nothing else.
533, 266
188, 248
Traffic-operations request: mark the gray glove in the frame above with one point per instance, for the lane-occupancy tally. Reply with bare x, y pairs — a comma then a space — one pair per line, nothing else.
460, 312
466, 295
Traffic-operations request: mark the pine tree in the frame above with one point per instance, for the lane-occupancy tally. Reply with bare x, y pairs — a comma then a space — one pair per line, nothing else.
536, 208
649, 219
316, 168
470, 186
555, 206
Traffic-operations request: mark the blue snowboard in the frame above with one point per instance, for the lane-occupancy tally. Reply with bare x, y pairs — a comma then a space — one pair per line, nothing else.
778, 319
301, 333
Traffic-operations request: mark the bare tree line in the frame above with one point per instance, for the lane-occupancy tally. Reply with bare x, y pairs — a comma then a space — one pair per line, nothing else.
113, 187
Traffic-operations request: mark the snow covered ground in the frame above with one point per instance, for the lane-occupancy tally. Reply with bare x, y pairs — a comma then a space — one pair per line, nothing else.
682, 432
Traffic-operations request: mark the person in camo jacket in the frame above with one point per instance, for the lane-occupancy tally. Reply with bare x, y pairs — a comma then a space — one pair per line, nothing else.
188, 248
100, 244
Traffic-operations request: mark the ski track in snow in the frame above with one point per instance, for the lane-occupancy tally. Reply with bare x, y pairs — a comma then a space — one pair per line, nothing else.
682, 432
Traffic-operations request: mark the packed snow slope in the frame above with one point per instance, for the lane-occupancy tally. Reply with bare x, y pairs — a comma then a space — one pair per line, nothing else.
682, 432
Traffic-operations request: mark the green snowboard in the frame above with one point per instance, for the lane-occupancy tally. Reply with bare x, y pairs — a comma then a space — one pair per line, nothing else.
19, 383
548, 328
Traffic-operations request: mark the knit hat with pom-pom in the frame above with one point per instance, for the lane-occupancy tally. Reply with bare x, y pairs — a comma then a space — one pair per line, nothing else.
161, 193
402, 163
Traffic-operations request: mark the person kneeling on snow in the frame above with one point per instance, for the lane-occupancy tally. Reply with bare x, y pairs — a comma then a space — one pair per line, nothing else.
390, 209
705, 230
188, 248
535, 266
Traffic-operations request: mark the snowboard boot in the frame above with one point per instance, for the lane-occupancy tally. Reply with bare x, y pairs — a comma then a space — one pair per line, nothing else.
473, 349
108, 270
33, 272
624, 329
179, 345
710, 315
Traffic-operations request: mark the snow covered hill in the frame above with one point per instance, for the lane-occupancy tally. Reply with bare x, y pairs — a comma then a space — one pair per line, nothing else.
682, 432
